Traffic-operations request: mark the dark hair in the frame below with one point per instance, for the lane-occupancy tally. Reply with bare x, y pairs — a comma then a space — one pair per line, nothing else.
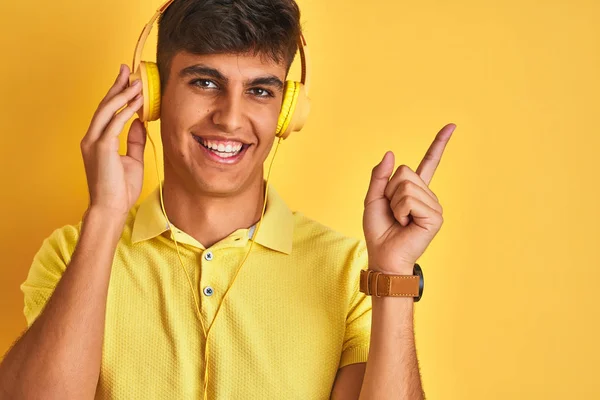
270, 28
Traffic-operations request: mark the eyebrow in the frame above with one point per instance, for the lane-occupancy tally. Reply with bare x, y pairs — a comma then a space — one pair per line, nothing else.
203, 70
199, 69
268, 81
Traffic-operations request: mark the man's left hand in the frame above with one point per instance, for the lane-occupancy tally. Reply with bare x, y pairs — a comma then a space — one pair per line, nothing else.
402, 215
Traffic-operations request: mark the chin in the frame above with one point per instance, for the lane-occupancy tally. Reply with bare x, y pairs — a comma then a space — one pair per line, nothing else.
221, 183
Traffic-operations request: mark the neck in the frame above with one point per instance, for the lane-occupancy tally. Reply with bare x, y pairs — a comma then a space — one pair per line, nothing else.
209, 218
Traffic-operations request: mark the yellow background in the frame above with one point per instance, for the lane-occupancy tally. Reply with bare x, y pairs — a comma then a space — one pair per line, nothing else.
511, 305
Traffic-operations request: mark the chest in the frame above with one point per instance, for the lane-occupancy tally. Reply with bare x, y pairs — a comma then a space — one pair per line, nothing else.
271, 334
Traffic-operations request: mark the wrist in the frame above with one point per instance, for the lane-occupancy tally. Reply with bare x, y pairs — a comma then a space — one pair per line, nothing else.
395, 283
107, 221
402, 269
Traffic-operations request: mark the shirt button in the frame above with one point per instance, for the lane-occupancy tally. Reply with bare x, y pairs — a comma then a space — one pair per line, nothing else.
208, 256
208, 291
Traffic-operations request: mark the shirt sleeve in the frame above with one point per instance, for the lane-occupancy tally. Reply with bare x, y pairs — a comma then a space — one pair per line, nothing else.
48, 266
358, 321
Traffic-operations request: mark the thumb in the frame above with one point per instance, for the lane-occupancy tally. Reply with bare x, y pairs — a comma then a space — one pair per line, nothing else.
380, 177
136, 141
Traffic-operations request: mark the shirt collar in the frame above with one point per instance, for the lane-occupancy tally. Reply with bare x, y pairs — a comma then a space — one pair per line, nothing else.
276, 230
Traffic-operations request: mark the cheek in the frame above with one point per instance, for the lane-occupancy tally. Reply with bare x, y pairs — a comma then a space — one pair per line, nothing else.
182, 106
180, 110
265, 121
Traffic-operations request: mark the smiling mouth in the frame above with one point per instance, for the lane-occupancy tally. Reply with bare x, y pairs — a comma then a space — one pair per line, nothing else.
222, 149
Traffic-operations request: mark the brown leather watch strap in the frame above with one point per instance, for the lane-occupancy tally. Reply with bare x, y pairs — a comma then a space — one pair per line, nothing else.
378, 284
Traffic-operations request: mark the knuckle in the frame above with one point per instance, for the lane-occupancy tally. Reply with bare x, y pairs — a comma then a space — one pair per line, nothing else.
124, 116
374, 170
404, 169
95, 116
85, 145
405, 201
101, 104
120, 117
406, 186
103, 144
118, 101
440, 220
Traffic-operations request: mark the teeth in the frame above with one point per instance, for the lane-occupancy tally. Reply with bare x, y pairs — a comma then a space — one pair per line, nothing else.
223, 151
222, 148
224, 155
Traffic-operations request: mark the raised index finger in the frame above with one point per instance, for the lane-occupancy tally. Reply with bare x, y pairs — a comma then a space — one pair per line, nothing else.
433, 156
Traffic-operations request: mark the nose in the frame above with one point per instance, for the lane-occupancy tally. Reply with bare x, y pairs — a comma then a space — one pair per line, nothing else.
228, 114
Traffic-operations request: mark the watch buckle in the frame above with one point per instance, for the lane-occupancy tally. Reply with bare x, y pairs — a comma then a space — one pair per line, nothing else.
368, 293
377, 284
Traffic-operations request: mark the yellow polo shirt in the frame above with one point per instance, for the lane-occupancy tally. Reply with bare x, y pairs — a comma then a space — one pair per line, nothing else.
292, 318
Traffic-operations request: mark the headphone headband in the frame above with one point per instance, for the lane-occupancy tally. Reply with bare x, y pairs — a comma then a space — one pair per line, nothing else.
145, 32
302, 46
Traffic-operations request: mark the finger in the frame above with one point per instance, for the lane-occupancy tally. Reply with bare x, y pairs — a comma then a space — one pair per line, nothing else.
379, 178
136, 141
118, 122
404, 173
410, 189
421, 213
434, 154
120, 84
106, 112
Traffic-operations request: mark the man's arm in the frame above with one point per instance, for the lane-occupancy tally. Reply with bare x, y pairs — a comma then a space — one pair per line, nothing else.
401, 217
348, 382
59, 356
392, 365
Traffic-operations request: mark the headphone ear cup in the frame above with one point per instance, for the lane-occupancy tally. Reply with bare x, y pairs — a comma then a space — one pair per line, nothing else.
294, 110
290, 97
301, 111
148, 74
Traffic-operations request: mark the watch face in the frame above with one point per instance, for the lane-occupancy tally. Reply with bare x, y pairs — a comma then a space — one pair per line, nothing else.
418, 271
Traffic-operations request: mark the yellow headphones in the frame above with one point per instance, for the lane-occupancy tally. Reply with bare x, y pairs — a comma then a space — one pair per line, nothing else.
295, 106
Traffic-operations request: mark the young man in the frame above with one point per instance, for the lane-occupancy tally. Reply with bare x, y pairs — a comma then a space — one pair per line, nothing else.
117, 309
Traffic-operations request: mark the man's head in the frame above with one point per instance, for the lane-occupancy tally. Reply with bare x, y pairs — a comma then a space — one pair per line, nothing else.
222, 64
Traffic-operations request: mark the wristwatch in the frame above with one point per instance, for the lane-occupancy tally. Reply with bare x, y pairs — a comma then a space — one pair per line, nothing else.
378, 284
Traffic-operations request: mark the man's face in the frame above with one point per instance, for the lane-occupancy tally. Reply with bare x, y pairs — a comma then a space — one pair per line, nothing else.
218, 120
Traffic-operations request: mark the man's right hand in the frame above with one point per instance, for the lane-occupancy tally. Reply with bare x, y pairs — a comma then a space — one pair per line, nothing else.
114, 180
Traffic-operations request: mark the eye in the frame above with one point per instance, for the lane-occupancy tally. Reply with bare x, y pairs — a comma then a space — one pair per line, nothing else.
260, 92
204, 84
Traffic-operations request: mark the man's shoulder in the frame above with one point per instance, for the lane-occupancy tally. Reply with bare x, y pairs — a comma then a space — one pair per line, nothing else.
63, 239
66, 236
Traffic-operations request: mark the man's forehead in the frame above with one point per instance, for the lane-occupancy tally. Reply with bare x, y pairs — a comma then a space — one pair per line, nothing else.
233, 66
